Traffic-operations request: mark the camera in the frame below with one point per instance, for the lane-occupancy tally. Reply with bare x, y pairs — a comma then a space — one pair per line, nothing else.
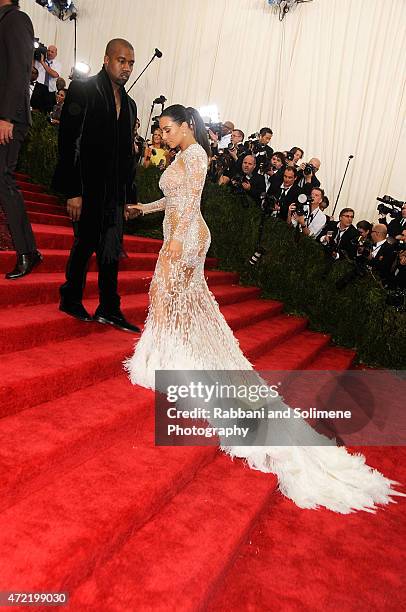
216, 128
268, 204
289, 156
236, 183
302, 205
308, 169
399, 246
390, 206
39, 50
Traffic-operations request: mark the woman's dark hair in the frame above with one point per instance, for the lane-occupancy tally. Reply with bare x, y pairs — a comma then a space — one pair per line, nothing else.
189, 115
294, 149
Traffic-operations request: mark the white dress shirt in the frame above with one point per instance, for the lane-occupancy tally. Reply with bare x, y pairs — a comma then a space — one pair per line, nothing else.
55, 65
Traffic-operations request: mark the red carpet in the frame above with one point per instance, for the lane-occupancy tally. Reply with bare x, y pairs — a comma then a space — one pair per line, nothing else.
90, 506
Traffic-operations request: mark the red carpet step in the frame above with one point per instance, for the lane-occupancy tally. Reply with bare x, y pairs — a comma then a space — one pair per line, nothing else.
89, 505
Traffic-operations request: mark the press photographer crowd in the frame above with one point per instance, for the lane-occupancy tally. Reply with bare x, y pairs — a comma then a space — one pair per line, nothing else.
285, 187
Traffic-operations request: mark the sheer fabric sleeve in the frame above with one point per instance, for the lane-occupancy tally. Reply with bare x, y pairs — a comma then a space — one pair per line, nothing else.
195, 175
152, 207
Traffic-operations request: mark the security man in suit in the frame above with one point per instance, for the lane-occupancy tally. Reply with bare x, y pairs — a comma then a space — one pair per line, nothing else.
16, 53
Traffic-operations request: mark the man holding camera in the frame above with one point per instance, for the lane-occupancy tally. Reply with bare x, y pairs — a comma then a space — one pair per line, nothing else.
312, 224
397, 225
15, 118
226, 130
286, 193
49, 70
340, 238
306, 176
246, 179
275, 169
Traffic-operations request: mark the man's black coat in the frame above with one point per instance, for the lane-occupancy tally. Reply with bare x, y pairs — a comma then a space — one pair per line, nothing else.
96, 154
16, 52
348, 242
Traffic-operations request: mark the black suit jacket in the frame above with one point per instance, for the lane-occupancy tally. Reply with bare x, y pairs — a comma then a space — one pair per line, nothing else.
306, 187
348, 243
383, 261
16, 53
285, 200
96, 153
395, 228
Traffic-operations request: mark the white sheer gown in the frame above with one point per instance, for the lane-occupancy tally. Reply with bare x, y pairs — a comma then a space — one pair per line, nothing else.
185, 330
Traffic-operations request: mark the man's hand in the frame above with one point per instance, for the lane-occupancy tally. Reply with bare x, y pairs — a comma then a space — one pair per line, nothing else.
213, 136
74, 207
246, 185
6, 131
301, 220
132, 211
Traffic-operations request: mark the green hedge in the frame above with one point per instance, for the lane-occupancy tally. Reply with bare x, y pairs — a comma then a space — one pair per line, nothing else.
293, 270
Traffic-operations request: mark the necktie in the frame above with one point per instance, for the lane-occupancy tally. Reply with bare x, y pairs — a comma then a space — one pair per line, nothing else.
46, 80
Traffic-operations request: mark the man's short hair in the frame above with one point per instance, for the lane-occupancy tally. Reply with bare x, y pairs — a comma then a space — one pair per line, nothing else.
265, 130
345, 210
115, 42
280, 156
240, 132
320, 190
291, 169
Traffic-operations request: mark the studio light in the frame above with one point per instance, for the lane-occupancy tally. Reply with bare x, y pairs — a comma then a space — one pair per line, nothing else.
80, 70
284, 6
210, 113
62, 9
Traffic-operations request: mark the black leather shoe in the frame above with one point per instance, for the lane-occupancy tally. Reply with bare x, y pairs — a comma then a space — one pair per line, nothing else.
116, 320
76, 310
26, 262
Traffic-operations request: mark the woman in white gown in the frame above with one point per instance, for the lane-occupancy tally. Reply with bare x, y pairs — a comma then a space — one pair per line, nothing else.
185, 330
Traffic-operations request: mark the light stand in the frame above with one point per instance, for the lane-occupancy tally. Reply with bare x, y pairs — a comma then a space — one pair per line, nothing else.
350, 157
158, 54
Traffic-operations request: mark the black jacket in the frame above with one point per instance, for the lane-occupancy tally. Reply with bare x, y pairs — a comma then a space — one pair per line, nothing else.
96, 153
383, 261
395, 227
349, 239
285, 200
16, 53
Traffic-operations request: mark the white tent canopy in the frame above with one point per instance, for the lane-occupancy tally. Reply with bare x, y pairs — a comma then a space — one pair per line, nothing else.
329, 78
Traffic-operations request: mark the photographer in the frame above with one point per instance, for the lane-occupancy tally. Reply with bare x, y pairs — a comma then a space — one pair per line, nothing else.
312, 224
226, 130
286, 193
340, 238
236, 146
397, 225
274, 172
306, 176
398, 280
382, 254
49, 69
293, 156
245, 180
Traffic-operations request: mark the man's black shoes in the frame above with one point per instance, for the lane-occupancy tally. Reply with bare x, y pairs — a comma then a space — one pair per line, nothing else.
75, 309
116, 320
25, 264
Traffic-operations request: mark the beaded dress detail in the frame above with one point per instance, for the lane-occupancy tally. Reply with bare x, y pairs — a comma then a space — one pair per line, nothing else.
185, 330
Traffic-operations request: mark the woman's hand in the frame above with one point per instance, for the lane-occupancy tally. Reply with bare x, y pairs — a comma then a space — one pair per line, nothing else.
174, 249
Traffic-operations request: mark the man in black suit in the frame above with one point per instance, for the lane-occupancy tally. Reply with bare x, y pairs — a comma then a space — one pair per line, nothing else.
245, 174
286, 192
382, 255
396, 226
95, 171
16, 53
306, 175
340, 237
